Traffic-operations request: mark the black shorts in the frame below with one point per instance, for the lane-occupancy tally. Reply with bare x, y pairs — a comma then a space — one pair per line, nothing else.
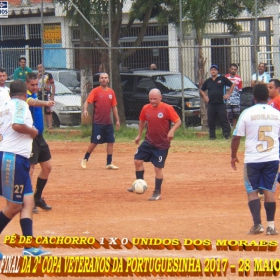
40, 150
149, 153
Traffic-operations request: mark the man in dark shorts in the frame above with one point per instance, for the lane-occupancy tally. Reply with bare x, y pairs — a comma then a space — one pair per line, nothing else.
17, 132
260, 124
104, 101
216, 98
40, 149
158, 116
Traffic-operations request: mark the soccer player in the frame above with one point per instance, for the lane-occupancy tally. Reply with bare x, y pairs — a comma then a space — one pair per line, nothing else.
260, 124
17, 132
40, 149
104, 100
4, 91
158, 116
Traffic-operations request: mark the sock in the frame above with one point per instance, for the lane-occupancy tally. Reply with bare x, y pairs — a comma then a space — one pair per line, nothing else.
158, 183
270, 208
87, 155
26, 227
255, 208
4, 220
109, 159
39, 188
139, 174
270, 224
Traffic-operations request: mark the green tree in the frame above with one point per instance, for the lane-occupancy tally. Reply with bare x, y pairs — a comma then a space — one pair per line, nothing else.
97, 14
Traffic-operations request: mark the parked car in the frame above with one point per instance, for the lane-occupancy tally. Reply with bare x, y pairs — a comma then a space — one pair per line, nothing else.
246, 98
67, 108
136, 85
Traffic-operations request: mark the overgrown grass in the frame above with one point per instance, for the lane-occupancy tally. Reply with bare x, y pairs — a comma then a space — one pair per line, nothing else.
184, 138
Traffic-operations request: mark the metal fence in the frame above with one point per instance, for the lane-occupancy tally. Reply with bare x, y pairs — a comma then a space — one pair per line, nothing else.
50, 38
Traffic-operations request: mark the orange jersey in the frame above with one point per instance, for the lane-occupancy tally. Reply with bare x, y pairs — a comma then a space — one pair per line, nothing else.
275, 102
103, 101
159, 123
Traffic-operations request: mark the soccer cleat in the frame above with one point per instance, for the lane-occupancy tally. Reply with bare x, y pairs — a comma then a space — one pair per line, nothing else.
111, 166
129, 189
256, 229
84, 164
156, 196
1, 256
35, 210
35, 252
42, 204
271, 231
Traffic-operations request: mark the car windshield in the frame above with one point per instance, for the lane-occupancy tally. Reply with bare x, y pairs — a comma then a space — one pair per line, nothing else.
69, 79
61, 89
173, 82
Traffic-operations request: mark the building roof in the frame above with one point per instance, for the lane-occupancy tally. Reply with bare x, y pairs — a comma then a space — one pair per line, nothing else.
31, 10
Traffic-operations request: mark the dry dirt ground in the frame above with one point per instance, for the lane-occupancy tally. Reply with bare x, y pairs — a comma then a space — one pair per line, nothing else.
203, 198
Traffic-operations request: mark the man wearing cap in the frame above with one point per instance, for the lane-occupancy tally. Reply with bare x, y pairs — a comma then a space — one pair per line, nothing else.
216, 97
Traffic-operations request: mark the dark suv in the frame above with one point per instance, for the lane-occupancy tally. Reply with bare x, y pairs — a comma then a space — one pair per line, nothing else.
136, 85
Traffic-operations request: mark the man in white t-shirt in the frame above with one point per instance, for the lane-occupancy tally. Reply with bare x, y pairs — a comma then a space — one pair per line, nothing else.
263, 77
16, 136
4, 91
260, 124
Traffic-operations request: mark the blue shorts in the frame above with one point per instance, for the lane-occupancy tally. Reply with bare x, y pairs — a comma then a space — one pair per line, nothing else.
14, 178
262, 175
149, 153
233, 111
102, 133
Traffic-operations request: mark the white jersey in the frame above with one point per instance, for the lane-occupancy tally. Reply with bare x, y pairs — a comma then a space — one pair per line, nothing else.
4, 95
261, 126
15, 111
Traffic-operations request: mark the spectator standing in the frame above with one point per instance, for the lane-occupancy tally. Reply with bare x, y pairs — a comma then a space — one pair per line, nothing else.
21, 72
233, 102
260, 124
49, 91
216, 97
104, 101
158, 117
263, 77
153, 66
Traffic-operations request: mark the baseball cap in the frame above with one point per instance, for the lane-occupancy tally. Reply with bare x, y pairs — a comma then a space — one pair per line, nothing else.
214, 66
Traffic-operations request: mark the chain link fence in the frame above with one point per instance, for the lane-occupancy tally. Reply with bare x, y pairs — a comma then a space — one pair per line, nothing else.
48, 37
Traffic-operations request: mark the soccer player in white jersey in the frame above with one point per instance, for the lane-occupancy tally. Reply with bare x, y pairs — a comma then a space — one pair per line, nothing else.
260, 124
4, 91
16, 136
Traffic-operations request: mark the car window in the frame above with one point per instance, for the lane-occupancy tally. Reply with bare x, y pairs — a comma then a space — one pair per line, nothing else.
144, 84
69, 79
127, 83
61, 89
169, 83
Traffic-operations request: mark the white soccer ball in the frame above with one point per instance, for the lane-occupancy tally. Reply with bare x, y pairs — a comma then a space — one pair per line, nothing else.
139, 186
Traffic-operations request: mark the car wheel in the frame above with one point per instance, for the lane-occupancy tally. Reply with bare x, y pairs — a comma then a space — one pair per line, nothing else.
55, 120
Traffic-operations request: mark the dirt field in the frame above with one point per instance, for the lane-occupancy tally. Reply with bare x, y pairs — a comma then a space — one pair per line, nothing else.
203, 198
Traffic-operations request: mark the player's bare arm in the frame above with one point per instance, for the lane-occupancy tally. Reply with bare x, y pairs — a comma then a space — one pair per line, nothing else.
39, 103
116, 116
171, 132
140, 131
24, 129
234, 148
204, 95
85, 109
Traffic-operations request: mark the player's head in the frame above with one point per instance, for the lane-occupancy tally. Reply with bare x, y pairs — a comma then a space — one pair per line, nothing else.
273, 87
18, 88
233, 69
155, 97
104, 79
32, 82
3, 77
260, 93
40, 68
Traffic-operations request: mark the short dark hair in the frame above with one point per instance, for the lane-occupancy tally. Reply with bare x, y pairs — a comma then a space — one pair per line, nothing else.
2, 70
31, 76
260, 92
234, 65
22, 58
276, 82
17, 87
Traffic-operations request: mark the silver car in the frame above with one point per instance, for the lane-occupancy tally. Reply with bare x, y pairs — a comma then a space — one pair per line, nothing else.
67, 108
